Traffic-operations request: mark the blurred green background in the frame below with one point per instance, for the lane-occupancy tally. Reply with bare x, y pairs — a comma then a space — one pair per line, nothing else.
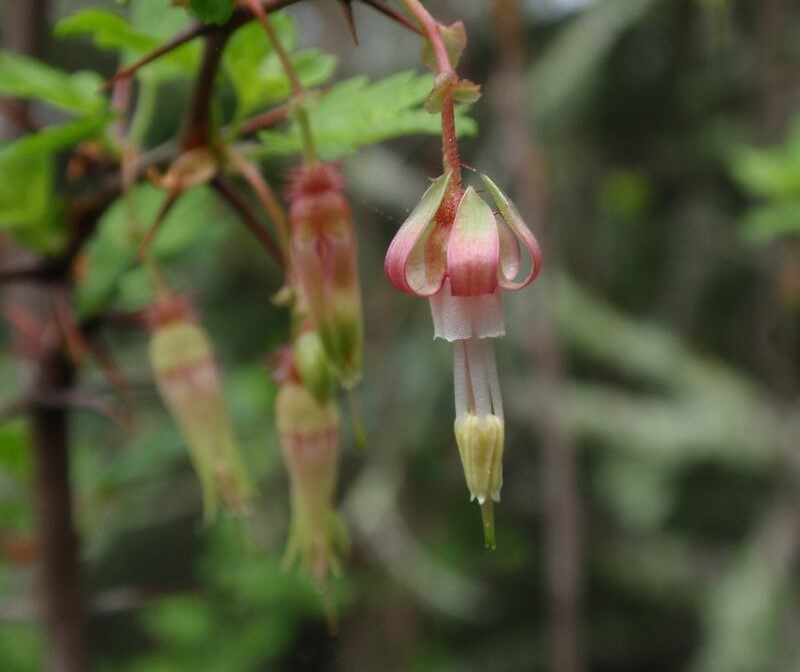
651, 377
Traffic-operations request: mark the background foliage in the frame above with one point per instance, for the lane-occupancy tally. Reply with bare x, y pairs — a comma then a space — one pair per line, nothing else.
672, 277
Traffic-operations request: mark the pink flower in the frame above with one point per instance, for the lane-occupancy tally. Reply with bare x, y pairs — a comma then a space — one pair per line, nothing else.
323, 249
309, 436
455, 251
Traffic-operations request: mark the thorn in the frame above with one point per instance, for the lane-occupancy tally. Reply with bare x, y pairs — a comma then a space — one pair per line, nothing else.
347, 6
393, 14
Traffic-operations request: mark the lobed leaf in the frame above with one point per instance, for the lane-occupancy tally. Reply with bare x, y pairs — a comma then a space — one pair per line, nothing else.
113, 32
355, 112
24, 77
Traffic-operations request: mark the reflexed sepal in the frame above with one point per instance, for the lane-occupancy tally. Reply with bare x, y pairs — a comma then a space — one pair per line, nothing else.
513, 230
417, 256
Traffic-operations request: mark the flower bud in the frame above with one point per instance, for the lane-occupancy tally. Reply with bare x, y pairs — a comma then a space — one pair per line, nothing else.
189, 383
313, 366
324, 261
309, 440
480, 443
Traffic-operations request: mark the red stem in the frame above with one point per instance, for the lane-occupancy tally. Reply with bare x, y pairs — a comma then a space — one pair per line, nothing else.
431, 30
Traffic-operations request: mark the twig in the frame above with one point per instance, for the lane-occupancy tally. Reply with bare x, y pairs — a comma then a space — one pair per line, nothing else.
264, 120
225, 188
239, 17
197, 126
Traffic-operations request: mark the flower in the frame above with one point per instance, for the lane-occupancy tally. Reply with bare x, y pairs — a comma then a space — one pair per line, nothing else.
190, 385
309, 438
455, 251
323, 250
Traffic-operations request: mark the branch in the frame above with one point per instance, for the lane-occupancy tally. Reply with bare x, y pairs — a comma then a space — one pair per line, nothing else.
197, 126
264, 120
240, 17
225, 188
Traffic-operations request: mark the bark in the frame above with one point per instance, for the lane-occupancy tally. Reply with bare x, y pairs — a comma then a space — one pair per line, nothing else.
62, 608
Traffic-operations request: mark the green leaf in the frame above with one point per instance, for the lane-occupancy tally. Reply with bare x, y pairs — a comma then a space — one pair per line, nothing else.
53, 139
770, 222
112, 271
25, 77
355, 113
26, 188
212, 11
256, 72
765, 173
113, 32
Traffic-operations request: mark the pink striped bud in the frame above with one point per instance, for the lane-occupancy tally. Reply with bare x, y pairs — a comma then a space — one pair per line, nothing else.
309, 436
189, 383
324, 263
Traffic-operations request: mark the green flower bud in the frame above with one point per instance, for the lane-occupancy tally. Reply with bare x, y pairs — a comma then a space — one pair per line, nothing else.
189, 383
313, 365
309, 436
480, 443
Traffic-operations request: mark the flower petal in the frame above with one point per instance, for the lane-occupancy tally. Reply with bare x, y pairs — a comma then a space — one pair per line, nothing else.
412, 264
473, 248
523, 233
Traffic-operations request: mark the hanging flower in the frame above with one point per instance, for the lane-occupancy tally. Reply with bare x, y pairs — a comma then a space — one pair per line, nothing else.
323, 248
309, 437
190, 385
455, 251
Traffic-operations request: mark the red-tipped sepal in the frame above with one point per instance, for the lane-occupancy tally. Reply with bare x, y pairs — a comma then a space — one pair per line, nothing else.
513, 230
417, 256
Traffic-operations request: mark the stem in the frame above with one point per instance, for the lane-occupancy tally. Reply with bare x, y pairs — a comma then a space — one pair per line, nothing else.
268, 200
197, 132
63, 606
225, 188
298, 90
430, 28
145, 108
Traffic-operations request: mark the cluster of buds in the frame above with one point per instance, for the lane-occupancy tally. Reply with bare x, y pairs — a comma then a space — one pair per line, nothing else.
324, 265
453, 250
189, 382
326, 348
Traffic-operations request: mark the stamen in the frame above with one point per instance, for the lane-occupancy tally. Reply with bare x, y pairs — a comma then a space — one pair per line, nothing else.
460, 377
494, 380
479, 378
